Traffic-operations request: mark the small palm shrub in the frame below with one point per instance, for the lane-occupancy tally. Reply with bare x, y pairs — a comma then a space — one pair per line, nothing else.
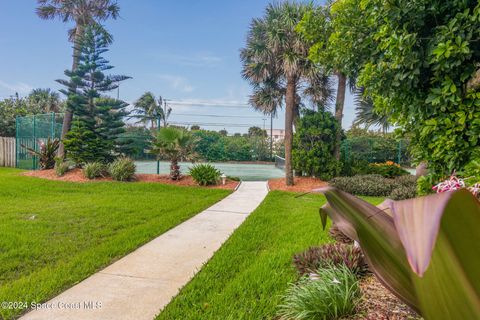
94, 170
61, 166
122, 169
332, 254
333, 295
205, 174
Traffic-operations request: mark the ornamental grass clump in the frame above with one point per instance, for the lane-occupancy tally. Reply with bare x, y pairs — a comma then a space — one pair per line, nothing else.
61, 166
122, 169
333, 294
94, 170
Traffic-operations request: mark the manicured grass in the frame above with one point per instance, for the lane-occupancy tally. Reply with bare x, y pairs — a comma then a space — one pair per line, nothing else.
246, 278
54, 234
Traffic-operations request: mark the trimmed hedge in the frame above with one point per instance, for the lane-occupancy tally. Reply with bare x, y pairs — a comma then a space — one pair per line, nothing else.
374, 185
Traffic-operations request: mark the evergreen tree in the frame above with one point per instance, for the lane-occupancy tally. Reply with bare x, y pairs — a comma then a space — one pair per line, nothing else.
98, 119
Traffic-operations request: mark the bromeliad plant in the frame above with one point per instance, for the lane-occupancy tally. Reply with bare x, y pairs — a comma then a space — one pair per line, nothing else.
47, 153
425, 250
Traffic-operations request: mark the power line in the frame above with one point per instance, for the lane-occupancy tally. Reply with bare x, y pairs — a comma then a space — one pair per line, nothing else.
239, 125
209, 104
216, 116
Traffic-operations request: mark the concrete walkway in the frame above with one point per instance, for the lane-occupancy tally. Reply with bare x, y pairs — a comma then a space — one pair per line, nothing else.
139, 285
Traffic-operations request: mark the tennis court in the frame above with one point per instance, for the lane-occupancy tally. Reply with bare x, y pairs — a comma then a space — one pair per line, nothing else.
245, 171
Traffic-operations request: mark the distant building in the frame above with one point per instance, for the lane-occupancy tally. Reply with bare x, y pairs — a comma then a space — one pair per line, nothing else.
277, 134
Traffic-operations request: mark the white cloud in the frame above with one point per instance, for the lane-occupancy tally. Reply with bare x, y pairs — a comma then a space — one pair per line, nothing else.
20, 87
178, 83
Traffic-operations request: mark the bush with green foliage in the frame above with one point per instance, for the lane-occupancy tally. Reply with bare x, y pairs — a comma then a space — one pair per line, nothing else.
388, 169
94, 170
61, 166
367, 185
205, 174
331, 254
333, 294
377, 186
314, 144
122, 169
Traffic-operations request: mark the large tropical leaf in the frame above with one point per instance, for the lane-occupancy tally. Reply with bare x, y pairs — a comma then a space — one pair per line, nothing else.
425, 250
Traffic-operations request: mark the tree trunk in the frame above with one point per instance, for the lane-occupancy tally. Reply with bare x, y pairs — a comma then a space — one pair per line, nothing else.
289, 115
174, 170
67, 119
339, 104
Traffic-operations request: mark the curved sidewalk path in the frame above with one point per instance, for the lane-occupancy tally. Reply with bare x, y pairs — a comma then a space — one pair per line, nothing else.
140, 284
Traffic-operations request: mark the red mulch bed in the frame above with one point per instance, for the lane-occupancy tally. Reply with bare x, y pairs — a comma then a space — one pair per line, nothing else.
76, 175
302, 184
379, 304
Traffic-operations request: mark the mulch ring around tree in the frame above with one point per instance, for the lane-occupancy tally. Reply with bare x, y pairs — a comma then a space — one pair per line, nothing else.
76, 175
379, 304
301, 184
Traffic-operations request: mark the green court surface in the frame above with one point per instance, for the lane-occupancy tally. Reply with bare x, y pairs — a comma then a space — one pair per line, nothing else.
245, 171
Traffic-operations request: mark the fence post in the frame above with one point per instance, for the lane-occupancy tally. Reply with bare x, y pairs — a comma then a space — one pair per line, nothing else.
16, 142
52, 125
34, 158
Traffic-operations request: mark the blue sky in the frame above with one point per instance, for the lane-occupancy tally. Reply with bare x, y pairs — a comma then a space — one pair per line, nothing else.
182, 50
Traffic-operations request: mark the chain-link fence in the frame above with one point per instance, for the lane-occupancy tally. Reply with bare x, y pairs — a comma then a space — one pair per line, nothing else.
30, 130
376, 150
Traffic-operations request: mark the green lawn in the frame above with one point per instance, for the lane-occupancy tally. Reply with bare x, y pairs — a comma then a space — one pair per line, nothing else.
247, 276
54, 234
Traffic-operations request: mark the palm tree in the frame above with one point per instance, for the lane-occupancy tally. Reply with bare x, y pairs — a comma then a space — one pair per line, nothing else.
365, 112
46, 100
82, 13
174, 144
275, 61
150, 109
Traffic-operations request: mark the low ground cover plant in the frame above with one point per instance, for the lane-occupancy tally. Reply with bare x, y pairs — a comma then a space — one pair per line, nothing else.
205, 174
333, 294
122, 169
331, 254
94, 170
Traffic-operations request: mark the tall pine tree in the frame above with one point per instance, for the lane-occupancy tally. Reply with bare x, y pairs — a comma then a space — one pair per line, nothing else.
98, 119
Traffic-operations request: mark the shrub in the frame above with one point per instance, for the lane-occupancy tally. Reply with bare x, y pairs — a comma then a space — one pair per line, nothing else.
333, 295
233, 178
388, 169
407, 180
403, 192
205, 174
332, 254
61, 166
365, 185
122, 169
94, 170
47, 153
314, 143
